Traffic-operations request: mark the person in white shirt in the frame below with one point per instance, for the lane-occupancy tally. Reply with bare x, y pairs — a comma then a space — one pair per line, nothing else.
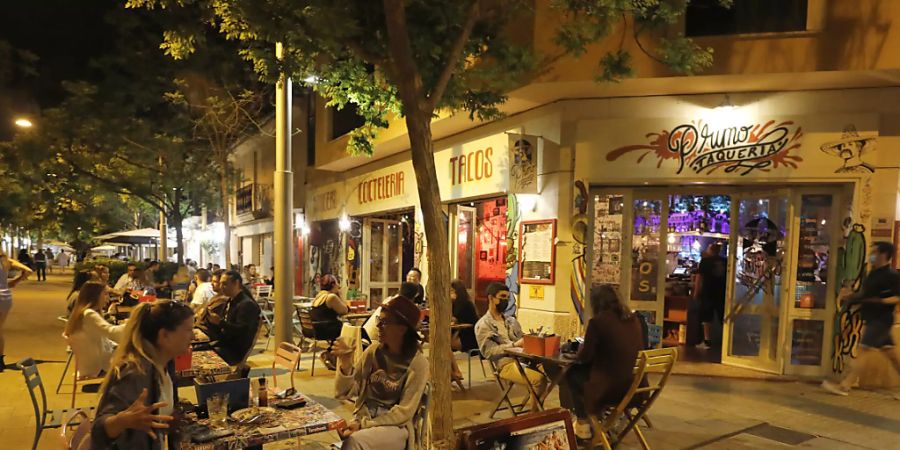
204, 292
92, 338
125, 280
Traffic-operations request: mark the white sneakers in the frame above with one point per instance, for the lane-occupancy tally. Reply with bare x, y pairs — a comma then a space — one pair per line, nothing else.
834, 388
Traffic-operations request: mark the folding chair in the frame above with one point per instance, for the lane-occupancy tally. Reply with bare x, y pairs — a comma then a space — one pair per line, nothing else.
81, 438
76, 377
287, 355
505, 391
469, 355
308, 331
637, 401
44, 418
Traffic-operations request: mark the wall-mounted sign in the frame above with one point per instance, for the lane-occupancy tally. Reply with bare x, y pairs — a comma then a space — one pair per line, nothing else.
381, 187
324, 201
473, 169
702, 149
537, 251
523, 163
385, 189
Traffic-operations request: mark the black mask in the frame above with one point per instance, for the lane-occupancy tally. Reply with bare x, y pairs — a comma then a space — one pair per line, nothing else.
502, 305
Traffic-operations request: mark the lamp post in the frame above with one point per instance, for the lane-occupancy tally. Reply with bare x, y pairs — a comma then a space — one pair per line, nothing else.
284, 204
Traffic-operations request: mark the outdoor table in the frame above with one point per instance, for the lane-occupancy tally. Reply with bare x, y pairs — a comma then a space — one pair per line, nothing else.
205, 363
303, 305
289, 424
357, 317
200, 337
562, 361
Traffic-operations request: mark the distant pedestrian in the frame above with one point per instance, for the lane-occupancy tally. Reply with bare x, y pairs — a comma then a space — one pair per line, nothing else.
62, 259
40, 265
25, 258
49, 254
8, 264
877, 300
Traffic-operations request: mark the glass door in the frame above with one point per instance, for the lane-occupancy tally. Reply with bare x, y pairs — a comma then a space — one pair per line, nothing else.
754, 298
811, 303
384, 260
647, 282
462, 233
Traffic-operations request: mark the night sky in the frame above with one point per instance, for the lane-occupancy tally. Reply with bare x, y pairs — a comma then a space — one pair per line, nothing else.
65, 35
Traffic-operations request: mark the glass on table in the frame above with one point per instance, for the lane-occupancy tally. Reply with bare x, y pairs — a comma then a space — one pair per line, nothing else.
217, 405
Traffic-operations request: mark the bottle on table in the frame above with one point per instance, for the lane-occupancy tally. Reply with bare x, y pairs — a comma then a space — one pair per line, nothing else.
263, 394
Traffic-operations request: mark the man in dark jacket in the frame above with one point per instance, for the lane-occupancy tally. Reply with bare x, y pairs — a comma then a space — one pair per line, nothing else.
241, 320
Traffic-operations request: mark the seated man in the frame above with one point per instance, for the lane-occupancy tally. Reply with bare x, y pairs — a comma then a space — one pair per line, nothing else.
495, 333
238, 327
204, 291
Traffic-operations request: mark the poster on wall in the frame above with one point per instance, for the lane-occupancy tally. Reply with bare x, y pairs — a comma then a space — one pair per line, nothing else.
607, 239
523, 163
537, 251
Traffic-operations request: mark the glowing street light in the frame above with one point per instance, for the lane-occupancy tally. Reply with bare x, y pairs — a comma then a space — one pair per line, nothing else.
23, 123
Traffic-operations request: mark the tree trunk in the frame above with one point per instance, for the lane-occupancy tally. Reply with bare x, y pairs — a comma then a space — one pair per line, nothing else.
438, 254
226, 216
178, 219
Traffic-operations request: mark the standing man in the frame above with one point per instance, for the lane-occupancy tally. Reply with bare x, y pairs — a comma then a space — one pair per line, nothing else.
496, 333
49, 254
709, 290
414, 276
40, 265
62, 260
877, 300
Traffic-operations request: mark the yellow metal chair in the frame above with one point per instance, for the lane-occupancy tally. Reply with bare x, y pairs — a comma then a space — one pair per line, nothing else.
637, 401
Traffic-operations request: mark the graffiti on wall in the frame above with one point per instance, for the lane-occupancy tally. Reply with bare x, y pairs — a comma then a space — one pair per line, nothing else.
850, 148
419, 245
740, 149
851, 264
579, 236
512, 256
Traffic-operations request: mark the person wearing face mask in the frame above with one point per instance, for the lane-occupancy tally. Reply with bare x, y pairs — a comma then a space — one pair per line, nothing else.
496, 333
877, 300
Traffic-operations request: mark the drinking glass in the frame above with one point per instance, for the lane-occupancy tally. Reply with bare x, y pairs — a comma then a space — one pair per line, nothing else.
217, 405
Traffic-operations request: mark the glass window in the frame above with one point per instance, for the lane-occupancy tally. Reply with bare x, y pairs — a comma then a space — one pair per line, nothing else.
376, 256
465, 245
709, 17
490, 245
806, 342
812, 256
645, 249
607, 240
745, 335
394, 255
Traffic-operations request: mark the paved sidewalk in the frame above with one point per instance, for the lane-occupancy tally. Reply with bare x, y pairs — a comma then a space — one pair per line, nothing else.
693, 412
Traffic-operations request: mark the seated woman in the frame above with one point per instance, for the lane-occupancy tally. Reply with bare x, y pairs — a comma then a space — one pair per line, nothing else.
326, 310
606, 359
92, 338
81, 277
463, 313
180, 281
388, 381
137, 397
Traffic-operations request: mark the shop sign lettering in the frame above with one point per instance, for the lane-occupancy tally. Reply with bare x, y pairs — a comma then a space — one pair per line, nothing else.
739, 149
382, 187
325, 201
472, 166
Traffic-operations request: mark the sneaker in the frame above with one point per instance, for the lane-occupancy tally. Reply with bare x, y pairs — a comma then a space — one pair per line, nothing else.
834, 388
583, 430
702, 346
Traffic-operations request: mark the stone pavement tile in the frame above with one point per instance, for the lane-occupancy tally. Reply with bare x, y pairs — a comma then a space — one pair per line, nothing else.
821, 443
745, 441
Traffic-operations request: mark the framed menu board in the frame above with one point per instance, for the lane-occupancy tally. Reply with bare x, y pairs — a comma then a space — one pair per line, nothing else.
537, 251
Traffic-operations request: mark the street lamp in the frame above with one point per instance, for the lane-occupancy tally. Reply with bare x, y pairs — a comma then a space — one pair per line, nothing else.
23, 123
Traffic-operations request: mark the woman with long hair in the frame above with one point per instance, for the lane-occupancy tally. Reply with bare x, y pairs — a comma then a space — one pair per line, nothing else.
326, 310
137, 397
463, 313
388, 381
92, 338
7, 265
606, 360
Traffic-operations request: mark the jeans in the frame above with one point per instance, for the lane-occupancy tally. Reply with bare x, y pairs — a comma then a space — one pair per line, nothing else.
41, 269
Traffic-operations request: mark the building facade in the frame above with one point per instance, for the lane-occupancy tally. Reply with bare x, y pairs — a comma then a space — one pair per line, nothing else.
785, 153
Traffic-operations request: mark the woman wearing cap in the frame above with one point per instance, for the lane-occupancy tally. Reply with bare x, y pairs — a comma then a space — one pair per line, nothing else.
388, 381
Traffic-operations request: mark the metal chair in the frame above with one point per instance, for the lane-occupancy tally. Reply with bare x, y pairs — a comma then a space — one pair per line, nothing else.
81, 438
637, 401
76, 377
287, 355
469, 355
505, 391
308, 331
44, 418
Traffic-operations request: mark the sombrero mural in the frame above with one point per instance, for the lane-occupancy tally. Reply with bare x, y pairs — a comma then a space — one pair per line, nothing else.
850, 148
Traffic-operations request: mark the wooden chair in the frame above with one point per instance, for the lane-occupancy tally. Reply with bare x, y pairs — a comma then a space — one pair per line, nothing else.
505, 392
262, 291
81, 437
308, 331
287, 355
76, 377
637, 401
44, 418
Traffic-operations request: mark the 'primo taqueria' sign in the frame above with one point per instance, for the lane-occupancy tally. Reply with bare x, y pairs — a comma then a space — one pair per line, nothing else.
737, 149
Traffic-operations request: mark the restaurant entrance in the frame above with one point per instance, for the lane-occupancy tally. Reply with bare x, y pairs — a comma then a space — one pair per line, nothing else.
478, 245
387, 254
775, 252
